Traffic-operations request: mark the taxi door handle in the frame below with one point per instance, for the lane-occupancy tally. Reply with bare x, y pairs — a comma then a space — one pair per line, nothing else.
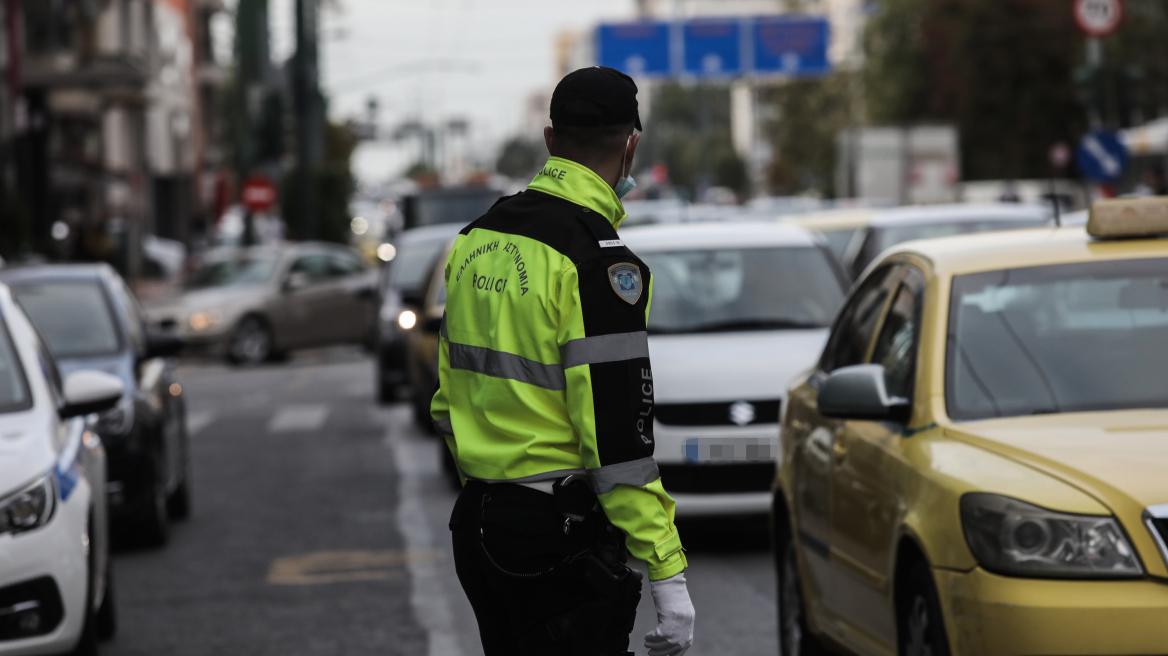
839, 450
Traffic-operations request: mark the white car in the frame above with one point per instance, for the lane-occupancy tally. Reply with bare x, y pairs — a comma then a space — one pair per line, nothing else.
55, 591
738, 310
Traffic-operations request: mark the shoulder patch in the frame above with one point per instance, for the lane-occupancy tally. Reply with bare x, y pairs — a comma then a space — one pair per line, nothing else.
626, 281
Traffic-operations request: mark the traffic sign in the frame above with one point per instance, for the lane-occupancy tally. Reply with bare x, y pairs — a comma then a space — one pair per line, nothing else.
792, 45
712, 47
640, 48
717, 47
258, 194
1098, 18
1101, 157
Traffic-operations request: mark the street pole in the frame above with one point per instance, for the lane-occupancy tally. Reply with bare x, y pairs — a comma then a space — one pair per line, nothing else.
1095, 65
309, 115
252, 51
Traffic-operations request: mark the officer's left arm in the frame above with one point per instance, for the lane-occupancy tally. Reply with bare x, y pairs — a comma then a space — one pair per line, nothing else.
605, 352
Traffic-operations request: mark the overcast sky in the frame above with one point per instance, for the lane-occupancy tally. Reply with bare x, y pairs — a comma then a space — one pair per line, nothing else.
439, 59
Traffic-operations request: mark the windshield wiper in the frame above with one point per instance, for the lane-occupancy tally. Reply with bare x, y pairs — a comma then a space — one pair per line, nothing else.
739, 324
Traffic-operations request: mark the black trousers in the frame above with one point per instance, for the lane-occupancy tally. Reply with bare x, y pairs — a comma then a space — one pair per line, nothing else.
536, 590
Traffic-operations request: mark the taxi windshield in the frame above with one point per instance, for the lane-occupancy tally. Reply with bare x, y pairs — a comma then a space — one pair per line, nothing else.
738, 289
1061, 338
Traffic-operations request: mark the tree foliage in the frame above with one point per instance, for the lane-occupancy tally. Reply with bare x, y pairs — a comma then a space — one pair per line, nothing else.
810, 114
520, 158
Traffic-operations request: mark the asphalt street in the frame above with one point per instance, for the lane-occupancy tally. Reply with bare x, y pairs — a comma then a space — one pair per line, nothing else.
319, 527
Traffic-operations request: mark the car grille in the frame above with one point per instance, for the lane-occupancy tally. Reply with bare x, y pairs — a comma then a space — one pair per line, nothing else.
706, 479
717, 414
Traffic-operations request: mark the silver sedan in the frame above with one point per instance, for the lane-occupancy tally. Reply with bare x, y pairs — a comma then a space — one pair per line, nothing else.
256, 304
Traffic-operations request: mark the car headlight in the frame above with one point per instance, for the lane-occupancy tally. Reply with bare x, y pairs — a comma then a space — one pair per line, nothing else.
204, 320
28, 509
407, 319
116, 421
1013, 537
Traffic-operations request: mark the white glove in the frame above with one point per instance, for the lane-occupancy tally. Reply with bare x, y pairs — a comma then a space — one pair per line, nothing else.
675, 618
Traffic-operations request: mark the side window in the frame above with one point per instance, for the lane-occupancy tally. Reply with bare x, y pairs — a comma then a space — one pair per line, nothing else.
314, 267
341, 266
136, 323
856, 324
896, 346
52, 374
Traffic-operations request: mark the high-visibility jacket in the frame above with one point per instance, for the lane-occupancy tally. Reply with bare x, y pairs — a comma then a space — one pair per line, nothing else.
544, 359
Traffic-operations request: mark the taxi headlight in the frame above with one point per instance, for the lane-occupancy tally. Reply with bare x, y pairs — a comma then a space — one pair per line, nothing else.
1016, 538
29, 508
407, 319
204, 320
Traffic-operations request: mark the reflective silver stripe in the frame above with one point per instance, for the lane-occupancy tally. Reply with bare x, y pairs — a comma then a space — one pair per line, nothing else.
534, 478
605, 348
443, 329
637, 473
498, 364
444, 427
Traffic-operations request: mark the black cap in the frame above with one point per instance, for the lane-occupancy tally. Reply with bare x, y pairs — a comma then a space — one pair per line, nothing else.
595, 97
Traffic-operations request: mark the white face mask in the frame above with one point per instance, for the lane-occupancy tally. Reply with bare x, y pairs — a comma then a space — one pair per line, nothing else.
626, 183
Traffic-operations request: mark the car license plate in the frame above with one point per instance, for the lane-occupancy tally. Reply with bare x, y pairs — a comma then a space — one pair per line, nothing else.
730, 449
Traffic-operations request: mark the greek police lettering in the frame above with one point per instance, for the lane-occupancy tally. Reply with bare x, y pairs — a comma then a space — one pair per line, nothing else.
552, 172
488, 283
647, 391
520, 266
485, 248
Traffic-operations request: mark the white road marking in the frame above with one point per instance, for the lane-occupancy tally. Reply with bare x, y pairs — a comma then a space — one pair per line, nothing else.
427, 596
304, 417
198, 420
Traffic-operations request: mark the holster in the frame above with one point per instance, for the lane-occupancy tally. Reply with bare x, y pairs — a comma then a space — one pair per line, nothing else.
600, 627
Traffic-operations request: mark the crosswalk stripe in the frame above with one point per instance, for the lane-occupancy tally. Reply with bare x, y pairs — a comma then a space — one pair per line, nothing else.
303, 417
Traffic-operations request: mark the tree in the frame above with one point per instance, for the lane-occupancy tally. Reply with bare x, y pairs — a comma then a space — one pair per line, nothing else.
520, 158
810, 114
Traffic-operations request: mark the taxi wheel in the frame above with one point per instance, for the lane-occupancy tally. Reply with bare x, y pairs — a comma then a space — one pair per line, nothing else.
252, 342
920, 622
795, 639
153, 517
107, 615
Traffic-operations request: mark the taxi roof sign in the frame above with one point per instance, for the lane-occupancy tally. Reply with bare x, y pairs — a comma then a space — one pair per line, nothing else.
1129, 217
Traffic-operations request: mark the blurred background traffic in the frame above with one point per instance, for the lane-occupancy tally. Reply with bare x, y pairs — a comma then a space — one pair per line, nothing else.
241, 209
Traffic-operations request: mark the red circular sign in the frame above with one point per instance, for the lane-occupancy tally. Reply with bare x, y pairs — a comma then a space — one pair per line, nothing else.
258, 194
1098, 18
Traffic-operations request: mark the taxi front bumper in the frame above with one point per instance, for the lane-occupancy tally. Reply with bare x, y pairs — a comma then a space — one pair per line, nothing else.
990, 614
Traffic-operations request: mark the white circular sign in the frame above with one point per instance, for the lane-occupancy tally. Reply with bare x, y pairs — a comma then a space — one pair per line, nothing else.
1098, 18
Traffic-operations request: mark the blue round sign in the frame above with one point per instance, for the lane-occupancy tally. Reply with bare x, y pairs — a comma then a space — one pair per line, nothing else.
1101, 156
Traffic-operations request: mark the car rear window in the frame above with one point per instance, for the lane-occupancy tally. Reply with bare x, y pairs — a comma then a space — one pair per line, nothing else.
738, 289
1061, 338
74, 317
14, 394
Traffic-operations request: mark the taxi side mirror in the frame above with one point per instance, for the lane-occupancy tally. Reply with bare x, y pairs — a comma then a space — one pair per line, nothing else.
858, 392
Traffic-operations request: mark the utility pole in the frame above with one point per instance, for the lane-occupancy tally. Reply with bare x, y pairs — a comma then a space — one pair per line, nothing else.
309, 113
251, 46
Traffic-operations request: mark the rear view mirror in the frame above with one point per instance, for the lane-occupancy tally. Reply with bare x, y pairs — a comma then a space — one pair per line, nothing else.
164, 344
91, 391
858, 392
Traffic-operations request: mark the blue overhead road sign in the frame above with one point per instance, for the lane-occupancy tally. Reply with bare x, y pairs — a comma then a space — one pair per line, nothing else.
713, 47
1101, 157
791, 45
765, 46
638, 49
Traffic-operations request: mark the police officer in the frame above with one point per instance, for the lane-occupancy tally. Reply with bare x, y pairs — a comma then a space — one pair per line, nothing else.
545, 399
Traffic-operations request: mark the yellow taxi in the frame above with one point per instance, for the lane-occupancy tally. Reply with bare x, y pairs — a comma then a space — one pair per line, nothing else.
978, 464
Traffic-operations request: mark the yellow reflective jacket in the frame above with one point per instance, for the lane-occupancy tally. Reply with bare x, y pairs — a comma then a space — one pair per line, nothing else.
544, 360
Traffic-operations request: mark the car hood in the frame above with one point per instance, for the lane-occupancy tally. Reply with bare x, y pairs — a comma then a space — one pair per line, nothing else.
731, 366
1118, 457
26, 452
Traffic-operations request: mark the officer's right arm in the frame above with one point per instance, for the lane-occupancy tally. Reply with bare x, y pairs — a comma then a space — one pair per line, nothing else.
605, 353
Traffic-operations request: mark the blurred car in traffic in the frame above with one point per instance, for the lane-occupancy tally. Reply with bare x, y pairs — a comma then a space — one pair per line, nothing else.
738, 309
406, 286
256, 304
56, 592
868, 233
975, 465
90, 320
438, 205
